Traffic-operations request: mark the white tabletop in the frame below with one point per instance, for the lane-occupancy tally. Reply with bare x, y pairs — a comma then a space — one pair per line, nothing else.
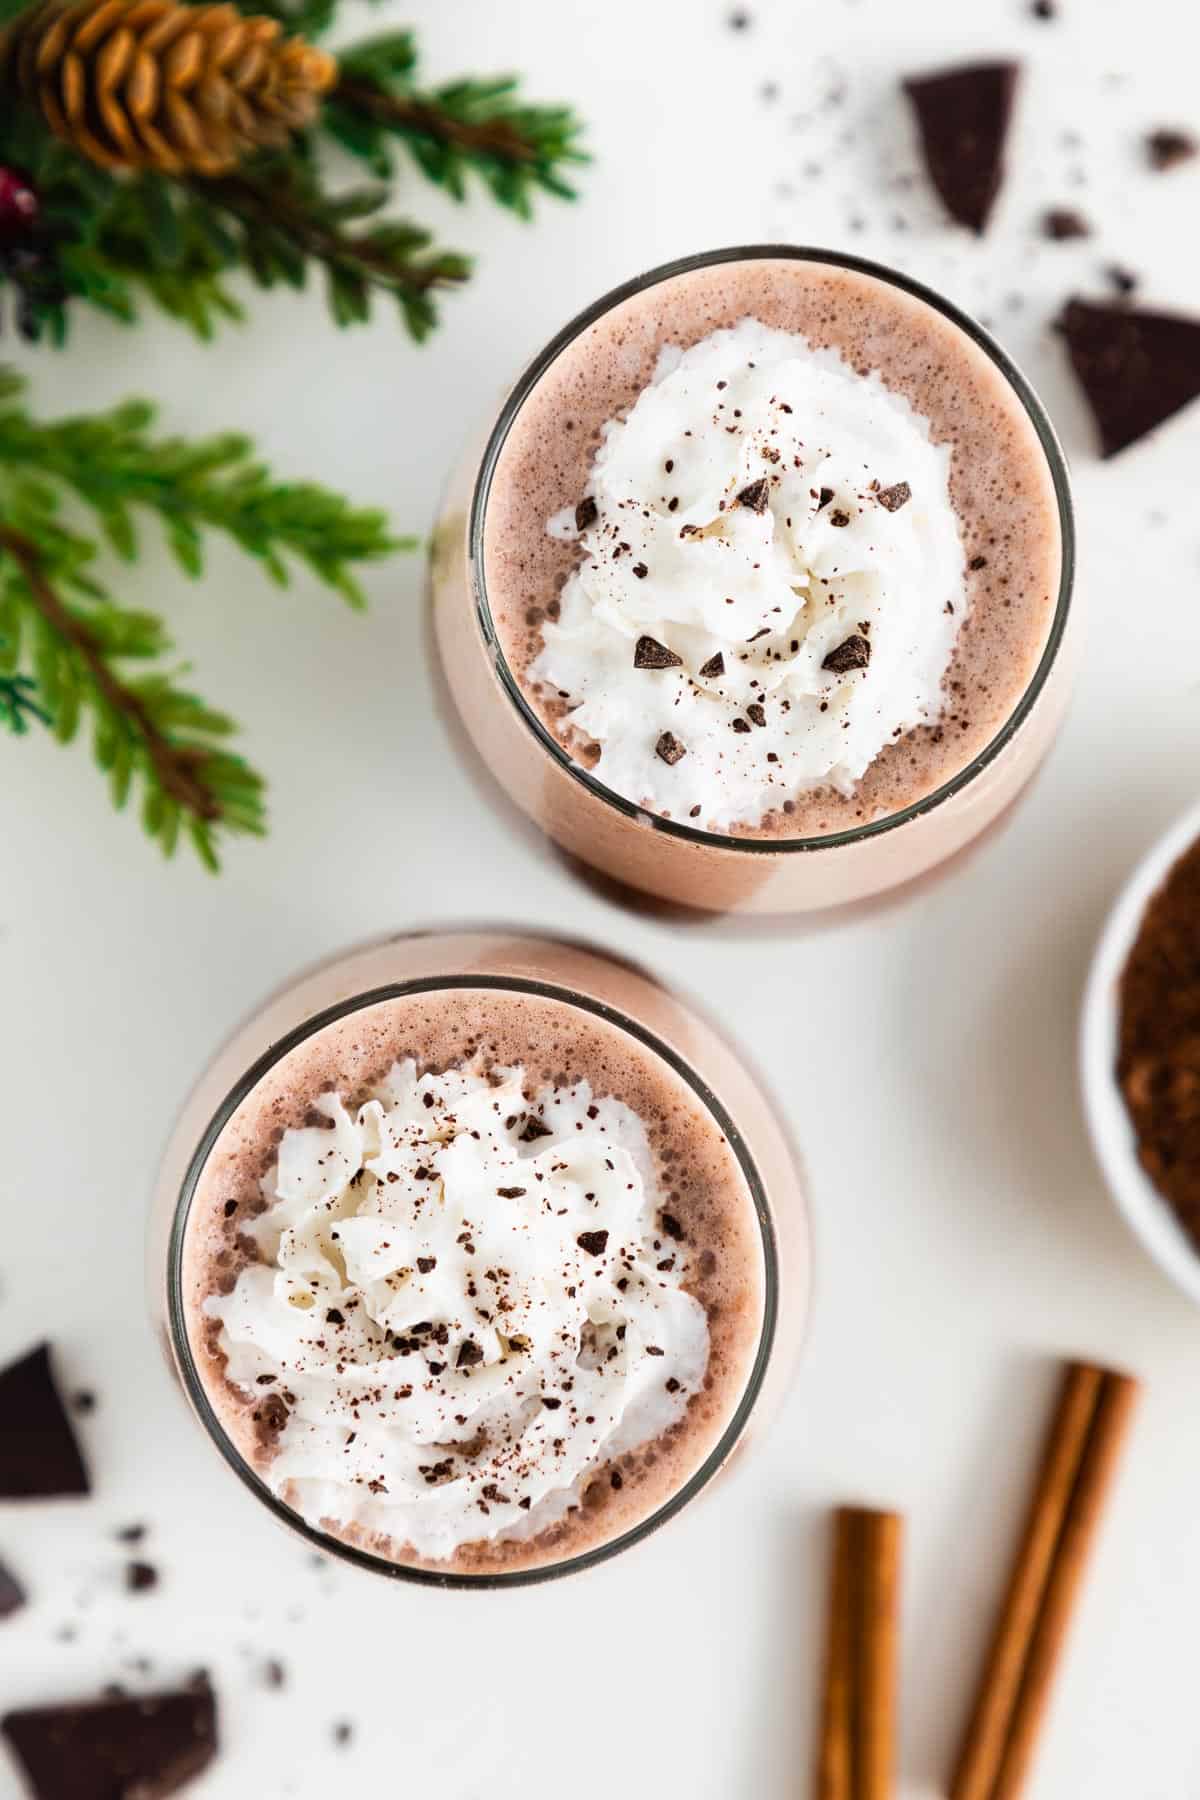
925, 1054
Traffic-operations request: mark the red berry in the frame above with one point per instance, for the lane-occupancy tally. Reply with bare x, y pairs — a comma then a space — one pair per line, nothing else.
18, 205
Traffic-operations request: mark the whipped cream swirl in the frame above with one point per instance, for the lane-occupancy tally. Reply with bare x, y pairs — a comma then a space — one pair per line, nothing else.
468, 1300
771, 582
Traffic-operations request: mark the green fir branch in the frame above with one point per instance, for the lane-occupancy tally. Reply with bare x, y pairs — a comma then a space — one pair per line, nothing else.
465, 127
70, 653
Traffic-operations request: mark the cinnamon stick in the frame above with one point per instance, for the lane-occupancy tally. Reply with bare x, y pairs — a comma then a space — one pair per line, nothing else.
983, 1747
875, 1655
856, 1751
1114, 1410
1079, 1460
834, 1772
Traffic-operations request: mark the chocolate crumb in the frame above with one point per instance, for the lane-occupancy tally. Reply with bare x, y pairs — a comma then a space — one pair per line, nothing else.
1167, 148
470, 1354
512, 1193
140, 1577
640, 570
713, 667
334, 1317
671, 1226
756, 713
854, 653
1062, 222
586, 513
615, 1480
12, 1594
840, 518
823, 498
594, 1242
894, 497
551, 1402
426, 1264
976, 563
648, 653
231, 1207
741, 725
534, 1129
669, 748
343, 1731
756, 495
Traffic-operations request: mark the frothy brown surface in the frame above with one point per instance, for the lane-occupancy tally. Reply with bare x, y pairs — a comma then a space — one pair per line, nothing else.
1000, 484
699, 1177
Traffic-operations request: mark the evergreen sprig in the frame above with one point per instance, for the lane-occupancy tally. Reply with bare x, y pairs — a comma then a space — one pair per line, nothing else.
114, 241
70, 651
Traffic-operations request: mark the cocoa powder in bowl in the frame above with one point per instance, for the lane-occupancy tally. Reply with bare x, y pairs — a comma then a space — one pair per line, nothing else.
1158, 1060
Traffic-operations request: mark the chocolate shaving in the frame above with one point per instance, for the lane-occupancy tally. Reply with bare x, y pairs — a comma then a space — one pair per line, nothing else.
823, 498
713, 667
511, 1193
648, 653
854, 653
669, 748
894, 497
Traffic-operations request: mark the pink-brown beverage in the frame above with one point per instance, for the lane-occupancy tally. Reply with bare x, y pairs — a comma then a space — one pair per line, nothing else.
757, 598
471, 1274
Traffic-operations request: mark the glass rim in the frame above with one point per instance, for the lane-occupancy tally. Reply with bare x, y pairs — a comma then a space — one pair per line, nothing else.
196, 1390
980, 336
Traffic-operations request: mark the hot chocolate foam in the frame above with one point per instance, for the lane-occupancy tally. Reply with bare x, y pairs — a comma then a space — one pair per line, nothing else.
688, 1208
469, 1300
772, 582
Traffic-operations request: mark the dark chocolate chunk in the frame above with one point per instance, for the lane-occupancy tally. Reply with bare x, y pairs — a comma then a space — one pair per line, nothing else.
840, 518
594, 1242
140, 1577
823, 498
1063, 222
640, 570
510, 1193
334, 1316
669, 748
963, 116
470, 1354
39, 1456
1166, 148
534, 1129
855, 653
1136, 368
648, 653
894, 497
426, 1264
756, 713
116, 1749
551, 1403
713, 667
740, 725
586, 513
12, 1594
756, 496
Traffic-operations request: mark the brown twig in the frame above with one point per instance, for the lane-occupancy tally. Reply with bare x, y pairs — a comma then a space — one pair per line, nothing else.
490, 137
174, 765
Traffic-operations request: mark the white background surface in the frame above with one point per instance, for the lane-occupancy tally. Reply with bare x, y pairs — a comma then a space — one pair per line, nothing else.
925, 1054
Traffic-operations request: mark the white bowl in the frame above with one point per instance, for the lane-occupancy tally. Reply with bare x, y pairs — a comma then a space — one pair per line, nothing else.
1146, 1212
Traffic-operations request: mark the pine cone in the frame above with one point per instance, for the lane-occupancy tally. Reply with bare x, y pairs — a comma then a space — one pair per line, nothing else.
158, 84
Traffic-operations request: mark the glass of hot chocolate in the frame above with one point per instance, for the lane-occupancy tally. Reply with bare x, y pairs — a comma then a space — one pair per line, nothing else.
477, 1256
758, 595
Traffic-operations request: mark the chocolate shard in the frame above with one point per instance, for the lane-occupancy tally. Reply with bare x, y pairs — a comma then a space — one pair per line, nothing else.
586, 513
1166, 148
39, 1455
756, 496
648, 653
823, 498
115, 1749
669, 748
594, 1242
854, 653
1062, 223
1136, 368
894, 497
12, 1594
713, 667
963, 115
